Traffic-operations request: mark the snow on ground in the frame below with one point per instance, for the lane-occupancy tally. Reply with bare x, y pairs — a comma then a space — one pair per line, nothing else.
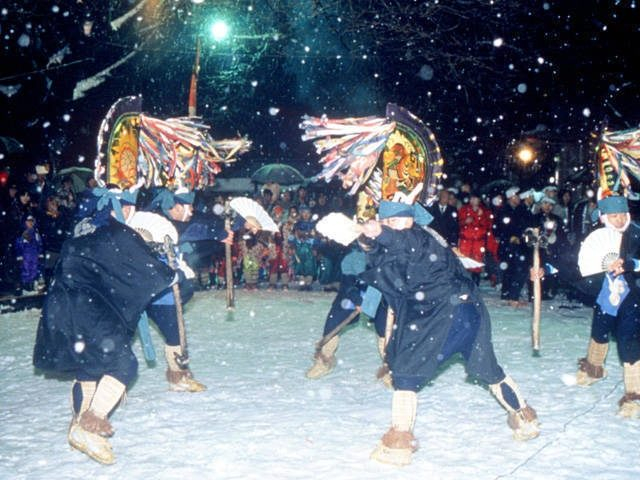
262, 419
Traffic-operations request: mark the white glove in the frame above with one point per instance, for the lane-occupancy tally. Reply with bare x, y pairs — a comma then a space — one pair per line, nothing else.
186, 269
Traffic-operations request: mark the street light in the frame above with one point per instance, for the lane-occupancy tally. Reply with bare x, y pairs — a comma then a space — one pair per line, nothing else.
219, 30
525, 154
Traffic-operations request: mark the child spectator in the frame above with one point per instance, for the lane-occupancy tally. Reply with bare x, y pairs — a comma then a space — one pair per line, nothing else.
304, 260
28, 251
252, 252
278, 265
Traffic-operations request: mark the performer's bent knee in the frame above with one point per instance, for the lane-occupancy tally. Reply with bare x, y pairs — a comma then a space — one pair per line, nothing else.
495, 374
165, 317
629, 353
126, 370
600, 336
336, 317
86, 377
409, 382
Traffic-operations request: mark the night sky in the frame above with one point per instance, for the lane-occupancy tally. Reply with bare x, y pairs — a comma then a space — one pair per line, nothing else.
481, 74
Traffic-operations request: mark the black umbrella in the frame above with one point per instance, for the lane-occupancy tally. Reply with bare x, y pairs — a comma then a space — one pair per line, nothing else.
583, 174
500, 185
279, 173
9, 146
78, 175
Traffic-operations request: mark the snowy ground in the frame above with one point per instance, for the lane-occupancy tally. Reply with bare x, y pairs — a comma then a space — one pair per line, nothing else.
261, 419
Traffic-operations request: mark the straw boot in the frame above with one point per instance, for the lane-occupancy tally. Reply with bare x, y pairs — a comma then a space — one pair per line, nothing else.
630, 402
325, 359
180, 379
522, 419
397, 445
88, 433
591, 368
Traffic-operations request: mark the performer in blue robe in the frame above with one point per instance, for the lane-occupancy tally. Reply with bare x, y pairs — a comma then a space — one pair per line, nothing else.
438, 312
104, 279
177, 207
616, 295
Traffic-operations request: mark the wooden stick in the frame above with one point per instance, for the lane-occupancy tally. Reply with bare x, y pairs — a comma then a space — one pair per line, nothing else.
229, 268
537, 296
324, 340
181, 359
388, 330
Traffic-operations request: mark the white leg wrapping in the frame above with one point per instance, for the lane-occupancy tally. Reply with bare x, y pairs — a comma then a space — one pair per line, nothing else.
88, 390
496, 389
107, 396
403, 410
381, 347
597, 352
630, 402
170, 355
329, 348
87, 434
591, 368
398, 444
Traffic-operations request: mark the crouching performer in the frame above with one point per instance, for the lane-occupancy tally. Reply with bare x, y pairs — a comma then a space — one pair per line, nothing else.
177, 223
166, 309
104, 279
438, 312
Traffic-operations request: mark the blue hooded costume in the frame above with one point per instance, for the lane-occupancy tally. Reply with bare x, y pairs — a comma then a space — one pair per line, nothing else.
103, 280
437, 306
620, 316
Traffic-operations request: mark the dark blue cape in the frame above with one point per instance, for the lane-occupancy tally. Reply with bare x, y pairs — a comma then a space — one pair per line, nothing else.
102, 283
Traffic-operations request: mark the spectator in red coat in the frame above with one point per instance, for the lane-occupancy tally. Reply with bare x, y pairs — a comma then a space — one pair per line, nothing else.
475, 223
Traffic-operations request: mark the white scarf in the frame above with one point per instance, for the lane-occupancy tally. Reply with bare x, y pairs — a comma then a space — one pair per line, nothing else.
605, 221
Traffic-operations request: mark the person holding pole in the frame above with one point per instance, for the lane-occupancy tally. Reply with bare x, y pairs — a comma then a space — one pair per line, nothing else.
438, 312
104, 278
166, 311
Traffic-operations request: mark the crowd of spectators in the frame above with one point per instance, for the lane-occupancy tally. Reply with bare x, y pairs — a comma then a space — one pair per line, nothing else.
490, 228
497, 231
296, 256
36, 218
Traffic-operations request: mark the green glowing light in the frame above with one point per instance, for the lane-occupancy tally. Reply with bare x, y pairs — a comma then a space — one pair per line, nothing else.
219, 30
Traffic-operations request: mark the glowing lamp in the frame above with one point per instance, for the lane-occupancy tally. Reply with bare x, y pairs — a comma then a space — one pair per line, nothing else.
525, 154
219, 30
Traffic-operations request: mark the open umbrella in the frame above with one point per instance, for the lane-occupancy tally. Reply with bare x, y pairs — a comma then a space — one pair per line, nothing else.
496, 186
237, 185
9, 146
583, 175
279, 173
78, 175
